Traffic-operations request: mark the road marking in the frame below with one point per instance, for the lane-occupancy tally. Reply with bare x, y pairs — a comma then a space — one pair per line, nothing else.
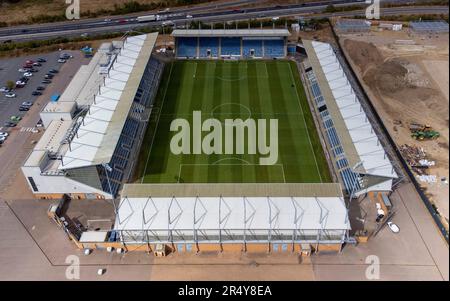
27, 129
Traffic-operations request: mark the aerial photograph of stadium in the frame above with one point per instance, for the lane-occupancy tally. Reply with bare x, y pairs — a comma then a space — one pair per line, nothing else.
224, 140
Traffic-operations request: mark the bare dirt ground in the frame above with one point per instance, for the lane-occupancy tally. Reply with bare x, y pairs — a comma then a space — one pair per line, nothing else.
407, 82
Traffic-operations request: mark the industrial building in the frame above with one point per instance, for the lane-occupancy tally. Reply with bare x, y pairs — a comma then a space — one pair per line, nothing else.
231, 43
96, 125
352, 25
429, 27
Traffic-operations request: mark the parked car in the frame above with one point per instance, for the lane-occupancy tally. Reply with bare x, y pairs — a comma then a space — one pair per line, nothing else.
4, 134
53, 71
36, 93
46, 81
23, 70
27, 103
9, 124
41, 60
29, 62
33, 70
28, 74
394, 228
65, 56
49, 75
10, 95
20, 84
40, 88
2, 139
61, 61
5, 89
24, 109
37, 64
15, 118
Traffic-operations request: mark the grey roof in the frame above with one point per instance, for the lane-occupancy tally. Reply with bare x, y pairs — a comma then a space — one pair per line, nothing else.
231, 33
429, 26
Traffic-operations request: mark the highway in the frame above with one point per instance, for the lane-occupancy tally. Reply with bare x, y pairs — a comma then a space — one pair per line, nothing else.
179, 18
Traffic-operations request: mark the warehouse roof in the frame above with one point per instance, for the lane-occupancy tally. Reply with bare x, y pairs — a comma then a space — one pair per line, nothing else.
99, 133
230, 33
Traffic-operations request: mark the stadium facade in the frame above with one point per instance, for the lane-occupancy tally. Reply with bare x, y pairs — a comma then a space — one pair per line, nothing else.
94, 132
230, 43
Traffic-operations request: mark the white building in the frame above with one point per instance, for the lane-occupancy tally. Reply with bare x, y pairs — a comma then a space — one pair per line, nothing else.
93, 129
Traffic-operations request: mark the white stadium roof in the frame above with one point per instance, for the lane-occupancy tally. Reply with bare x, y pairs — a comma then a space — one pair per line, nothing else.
99, 133
232, 213
368, 147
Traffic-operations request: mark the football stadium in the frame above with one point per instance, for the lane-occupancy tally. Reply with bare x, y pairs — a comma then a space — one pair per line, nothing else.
227, 145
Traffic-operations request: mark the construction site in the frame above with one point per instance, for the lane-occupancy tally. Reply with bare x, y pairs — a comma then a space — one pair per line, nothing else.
405, 74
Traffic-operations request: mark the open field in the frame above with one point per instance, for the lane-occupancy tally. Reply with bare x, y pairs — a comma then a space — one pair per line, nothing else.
232, 90
408, 83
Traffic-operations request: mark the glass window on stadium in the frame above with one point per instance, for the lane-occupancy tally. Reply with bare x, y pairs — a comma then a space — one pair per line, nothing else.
183, 235
281, 235
257, 235
232, 235
332, 235
133, 236
208, 235
307, 235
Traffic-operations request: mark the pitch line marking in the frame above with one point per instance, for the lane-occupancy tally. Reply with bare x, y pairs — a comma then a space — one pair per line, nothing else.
232, 158
157, 123
229, 164
304, 121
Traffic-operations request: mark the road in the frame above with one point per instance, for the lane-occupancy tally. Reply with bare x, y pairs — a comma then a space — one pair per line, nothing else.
179, 17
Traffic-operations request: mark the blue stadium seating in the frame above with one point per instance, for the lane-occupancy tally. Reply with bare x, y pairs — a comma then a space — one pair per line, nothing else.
187, 47
231, 46
211, 44
274, 48
255, 45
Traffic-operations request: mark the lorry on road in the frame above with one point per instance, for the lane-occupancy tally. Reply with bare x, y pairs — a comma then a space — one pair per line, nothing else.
148, 18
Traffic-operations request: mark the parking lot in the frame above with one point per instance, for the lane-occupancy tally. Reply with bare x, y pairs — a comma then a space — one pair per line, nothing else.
9, 72
16, 148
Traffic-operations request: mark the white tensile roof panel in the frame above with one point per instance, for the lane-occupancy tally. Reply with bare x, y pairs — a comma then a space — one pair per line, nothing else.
369, 149
232, 213
100, 130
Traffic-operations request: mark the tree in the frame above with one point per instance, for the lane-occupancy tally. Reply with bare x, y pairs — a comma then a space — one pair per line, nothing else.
10, 85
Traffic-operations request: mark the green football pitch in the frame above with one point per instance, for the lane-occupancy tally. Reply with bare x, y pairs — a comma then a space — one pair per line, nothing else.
233, 90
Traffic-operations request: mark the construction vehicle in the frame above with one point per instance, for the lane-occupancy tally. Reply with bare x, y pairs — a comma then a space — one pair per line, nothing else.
414, 127
425, 135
